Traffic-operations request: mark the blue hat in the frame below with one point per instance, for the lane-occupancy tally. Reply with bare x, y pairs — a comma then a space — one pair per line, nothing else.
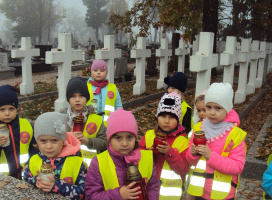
8, 96
178, 81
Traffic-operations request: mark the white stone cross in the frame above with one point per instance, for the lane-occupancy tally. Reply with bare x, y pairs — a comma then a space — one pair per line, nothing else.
181, 52
260, 74
108, 53
228, 58
25, 53
203, 61
163, 52
242, 60
63, 57
254, 56
140, 53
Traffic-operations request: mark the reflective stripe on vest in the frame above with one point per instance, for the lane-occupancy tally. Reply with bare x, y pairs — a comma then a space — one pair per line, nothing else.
110, 100
108, 171
69, 171
221, 185
26, 134
171, 183
91, 129
184, 107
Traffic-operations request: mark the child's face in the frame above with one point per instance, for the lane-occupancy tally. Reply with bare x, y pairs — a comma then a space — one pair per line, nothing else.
7, 113
201, 110
99, 74
77, 102
172, 89
167, 122
215, 113
50, 146
123, 142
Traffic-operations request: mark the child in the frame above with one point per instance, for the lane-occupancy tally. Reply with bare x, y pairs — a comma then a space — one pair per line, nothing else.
172, 164
106, 176
106, 94
267, 180
223, 157
200, 110
20, 139
178, 83
93, 135
62, 151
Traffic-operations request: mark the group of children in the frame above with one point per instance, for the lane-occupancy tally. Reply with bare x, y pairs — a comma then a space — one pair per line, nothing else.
92, 163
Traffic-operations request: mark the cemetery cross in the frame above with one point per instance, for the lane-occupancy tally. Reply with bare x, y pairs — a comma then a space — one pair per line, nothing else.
260, 74
181, 52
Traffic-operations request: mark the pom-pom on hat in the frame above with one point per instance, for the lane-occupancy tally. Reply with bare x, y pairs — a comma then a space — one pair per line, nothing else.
51, 123
170, 103
178, 81
8, 96
220, 93
99, 64
77, 85
121, 120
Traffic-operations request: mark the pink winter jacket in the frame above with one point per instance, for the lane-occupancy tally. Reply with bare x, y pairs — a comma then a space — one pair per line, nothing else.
231, 165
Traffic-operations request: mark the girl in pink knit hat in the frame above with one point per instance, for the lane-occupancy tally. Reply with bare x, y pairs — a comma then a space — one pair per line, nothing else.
106, 177
104, 93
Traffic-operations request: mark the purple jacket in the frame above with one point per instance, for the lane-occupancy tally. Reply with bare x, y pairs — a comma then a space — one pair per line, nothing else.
94, 188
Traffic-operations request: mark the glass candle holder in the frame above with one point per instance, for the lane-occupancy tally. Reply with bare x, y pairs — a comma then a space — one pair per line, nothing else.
45, 171
5, 132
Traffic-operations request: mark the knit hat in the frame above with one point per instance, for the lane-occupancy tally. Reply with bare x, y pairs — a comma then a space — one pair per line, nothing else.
220, 93
121, 120
170, 104
8, 96
77, 85
178, 81
51, 123
99, 64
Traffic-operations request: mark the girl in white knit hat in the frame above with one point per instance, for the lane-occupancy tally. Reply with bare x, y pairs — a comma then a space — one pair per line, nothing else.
222, 159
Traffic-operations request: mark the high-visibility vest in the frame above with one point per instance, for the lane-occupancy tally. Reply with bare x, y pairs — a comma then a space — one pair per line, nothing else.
171, 183
184, 107
266, 196
69, 170
221, 185
108, 170
110, 100
26, 134
91, 129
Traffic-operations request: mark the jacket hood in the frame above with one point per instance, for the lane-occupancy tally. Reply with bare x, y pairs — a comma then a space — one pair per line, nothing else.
71, 146
232, 117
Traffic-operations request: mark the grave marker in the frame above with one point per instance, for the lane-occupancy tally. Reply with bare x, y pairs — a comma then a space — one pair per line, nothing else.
269, 62
140, 53
181, 52
260, 74
63, 57
25, 53
108, 53
121, 68
3, 60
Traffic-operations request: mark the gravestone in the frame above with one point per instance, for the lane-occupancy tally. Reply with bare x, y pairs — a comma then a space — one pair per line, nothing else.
260, 73
5, 71
269, 60
163, 53
181, 52
151, 64
120, 69
109, 53
243, 59
25, 53
3, 60
63, 57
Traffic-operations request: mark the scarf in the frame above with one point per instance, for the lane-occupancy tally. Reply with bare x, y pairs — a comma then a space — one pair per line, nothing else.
134, 156
212, 130
71, 115
99, 85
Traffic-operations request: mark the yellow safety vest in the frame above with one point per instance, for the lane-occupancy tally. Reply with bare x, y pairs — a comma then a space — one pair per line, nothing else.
69, 171
221, 182
266, 196
184, 107
108, 171
171, 183
26, 134
91, 128
110, 101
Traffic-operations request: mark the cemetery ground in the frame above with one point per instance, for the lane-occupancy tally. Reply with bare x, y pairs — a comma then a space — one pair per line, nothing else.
254, 112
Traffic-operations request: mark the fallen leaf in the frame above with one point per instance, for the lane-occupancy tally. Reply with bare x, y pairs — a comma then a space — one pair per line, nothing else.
22, 185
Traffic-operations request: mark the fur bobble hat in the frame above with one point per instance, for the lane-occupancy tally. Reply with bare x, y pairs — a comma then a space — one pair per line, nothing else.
52, 124
77, 85
178, 81
121, 120
8, 96
170, 104
220, 93
99, 64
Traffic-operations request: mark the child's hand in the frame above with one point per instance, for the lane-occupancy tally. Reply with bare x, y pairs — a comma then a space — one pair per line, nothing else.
81, 137
3, 140
46, 186
165, 148
127, 193
193, 149
204, 151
